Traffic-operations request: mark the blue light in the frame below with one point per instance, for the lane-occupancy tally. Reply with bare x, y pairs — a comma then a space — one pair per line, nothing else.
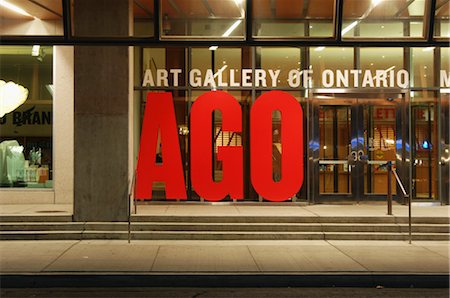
425, 145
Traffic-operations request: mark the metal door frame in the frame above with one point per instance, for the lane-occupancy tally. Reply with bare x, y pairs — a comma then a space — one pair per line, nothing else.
403, 137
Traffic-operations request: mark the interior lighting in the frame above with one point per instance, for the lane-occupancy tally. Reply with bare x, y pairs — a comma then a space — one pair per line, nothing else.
213, 48
376, 2
15, 8
319, 49
35, 50
428, 49
349, 27
12, 96
238, 2
232, 28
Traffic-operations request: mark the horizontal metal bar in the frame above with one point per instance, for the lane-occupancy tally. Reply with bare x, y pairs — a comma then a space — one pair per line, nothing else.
333, 162
152, 42
378, 162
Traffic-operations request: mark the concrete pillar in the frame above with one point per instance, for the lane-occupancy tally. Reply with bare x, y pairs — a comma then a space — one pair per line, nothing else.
101, 113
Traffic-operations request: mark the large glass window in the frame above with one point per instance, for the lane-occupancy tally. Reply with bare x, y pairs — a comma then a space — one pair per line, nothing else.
442, 19
203, 19
384, 18
23, 17
326, 58
26, 97
285, 18
422, 72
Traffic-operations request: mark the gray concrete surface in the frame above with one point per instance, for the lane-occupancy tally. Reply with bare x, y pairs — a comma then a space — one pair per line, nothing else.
116, 256
101, 113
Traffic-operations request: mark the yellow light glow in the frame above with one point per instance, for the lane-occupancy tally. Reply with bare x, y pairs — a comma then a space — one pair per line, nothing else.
12, 96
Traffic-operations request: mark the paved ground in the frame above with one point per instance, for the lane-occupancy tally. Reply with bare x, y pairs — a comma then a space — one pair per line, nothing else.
359, 260
174, 256
263, 209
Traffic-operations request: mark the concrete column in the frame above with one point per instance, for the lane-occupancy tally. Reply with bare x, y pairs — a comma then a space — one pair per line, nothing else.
101, 113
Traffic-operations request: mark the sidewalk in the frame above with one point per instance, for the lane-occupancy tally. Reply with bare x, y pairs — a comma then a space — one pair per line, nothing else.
245, 209
188, 262
388, 261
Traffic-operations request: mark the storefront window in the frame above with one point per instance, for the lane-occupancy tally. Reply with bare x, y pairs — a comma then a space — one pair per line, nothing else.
382, 59
442, 21
282, 59
425, 140
384, 19
203, 19
422, 72
23, 17
284, 18
322, 58
26, 84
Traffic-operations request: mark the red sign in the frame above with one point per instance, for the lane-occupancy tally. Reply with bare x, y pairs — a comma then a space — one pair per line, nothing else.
159, 117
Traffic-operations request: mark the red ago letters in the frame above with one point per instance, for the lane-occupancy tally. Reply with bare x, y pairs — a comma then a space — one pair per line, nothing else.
160, 117
261, 146
202, 146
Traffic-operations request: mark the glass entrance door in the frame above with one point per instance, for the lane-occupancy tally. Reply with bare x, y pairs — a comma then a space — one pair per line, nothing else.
352, 139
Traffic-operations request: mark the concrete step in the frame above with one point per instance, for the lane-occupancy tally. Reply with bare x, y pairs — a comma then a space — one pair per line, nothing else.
236, 227
206, 235
35, 218
290, 219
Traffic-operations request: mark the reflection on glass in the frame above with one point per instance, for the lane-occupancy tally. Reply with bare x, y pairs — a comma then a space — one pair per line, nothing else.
441, 19
383, 18
285, 18
422, 67
334, 139
381, 59
322, 58
143, 18
425, 149
282, 59
199, 18
23, 17
379, 144
26, 130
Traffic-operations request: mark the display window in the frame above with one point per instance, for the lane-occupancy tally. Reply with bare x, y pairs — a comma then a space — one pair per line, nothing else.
26, 123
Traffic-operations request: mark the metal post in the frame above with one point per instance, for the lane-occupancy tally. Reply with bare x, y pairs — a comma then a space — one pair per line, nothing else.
389, 186
409, 218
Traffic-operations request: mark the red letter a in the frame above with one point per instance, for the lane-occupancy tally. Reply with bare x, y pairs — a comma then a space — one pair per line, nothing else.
160, 116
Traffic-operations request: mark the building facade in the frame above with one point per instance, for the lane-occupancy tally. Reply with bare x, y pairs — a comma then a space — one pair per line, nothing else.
370, 80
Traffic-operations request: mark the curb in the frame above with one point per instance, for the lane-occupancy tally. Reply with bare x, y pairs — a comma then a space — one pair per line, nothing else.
224, 280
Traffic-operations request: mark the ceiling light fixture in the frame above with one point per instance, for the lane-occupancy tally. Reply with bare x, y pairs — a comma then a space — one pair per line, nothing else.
428, 49
319, 49
213, 48
15, 8
376, 2
349, 27
12, 96
232, 28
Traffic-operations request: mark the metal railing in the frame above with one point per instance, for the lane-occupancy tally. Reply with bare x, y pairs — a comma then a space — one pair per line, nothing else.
405, 195
130, 192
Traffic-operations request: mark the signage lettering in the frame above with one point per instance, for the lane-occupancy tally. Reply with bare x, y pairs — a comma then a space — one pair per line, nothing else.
159, 118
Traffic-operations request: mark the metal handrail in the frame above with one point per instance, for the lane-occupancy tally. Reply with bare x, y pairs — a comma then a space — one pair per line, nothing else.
130, 191
405, 195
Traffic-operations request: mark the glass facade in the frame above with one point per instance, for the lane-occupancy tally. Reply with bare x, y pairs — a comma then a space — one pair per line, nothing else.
371, 77
27, 116
373, 120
